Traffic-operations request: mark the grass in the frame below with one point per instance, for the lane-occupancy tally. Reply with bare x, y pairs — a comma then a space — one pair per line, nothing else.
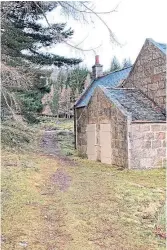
54, 123
22, 199
50, 203
17, 135
64, 129
67, 144
103, 207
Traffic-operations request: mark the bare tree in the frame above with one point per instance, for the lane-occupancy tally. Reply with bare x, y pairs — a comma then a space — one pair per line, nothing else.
82, 11
12, 80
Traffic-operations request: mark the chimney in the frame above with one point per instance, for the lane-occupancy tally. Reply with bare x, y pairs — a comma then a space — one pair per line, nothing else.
97, 59
97, 69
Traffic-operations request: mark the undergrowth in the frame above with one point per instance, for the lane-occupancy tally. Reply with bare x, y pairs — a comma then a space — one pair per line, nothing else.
104, 207
16, 135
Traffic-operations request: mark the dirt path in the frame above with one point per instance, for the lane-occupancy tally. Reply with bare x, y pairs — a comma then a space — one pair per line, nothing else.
50, 146
103, 233
55, 203
60, 182
49, 143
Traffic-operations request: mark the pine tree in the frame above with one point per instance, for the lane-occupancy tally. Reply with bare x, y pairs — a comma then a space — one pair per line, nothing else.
69, 84
115, 65
126, 63
22, 37
21, 32
76, 79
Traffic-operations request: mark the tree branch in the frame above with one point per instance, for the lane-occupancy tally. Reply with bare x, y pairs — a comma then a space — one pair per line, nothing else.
88, 12
111, 33
73, 46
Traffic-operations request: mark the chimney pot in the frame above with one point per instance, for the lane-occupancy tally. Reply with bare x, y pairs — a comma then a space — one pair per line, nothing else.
97, 59
97, 69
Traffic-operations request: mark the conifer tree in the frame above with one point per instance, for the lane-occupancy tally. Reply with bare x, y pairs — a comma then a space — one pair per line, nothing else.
22, 31
126, 63
115, 65
22, 37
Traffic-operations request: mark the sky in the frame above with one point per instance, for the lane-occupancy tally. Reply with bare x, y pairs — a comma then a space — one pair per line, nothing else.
132, 23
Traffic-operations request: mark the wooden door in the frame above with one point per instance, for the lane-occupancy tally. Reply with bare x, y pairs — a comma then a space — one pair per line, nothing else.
91, 142
105, 143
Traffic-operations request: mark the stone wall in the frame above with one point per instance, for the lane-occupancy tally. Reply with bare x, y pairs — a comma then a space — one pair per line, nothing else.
149, 74
148, 145
101, 110
119, 141
81, 124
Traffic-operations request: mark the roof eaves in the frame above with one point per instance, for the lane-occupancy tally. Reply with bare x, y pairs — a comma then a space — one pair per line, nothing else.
86, 90
82, 95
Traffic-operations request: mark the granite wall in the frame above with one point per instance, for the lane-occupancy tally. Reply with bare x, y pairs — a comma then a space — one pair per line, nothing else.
101, 110
147, 145
149, 74
81, 124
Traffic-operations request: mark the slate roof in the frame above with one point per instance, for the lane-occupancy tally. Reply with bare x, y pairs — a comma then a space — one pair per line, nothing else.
136, 103
161, 46
112, 79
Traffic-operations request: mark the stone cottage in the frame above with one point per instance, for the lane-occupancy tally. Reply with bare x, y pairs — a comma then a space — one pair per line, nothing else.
120, 119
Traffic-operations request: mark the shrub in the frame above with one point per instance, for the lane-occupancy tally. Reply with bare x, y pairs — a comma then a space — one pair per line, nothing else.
15, 134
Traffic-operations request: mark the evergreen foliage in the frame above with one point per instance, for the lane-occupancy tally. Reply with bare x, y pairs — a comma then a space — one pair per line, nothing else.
22, 31
115, 64
76, 80
72, 81
22, 38
31, 100
126, 63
